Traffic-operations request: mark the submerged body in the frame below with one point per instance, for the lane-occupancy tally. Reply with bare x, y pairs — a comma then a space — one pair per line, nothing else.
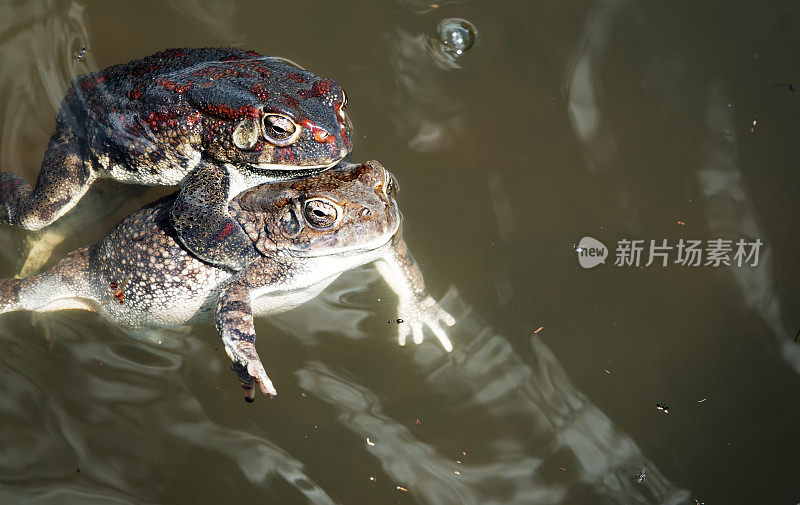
305, 234
215, 121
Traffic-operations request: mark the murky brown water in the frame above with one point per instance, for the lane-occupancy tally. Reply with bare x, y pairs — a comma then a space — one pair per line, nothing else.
612, 119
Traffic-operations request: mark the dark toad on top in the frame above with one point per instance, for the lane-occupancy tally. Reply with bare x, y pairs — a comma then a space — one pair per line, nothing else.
306, 232
215, 121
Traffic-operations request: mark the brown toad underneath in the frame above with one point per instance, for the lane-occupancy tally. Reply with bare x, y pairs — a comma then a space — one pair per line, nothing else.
306, 232
214, 121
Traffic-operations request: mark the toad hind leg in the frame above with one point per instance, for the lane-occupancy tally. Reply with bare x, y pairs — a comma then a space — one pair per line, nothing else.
64, 178
68, 285
200, 218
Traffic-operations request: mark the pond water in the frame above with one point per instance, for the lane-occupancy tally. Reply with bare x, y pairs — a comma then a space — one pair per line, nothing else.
610, 119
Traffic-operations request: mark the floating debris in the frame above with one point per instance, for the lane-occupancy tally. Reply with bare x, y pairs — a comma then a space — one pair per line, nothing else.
662, 407
701, 401
401, 488
753, 127
681, 223
606, 370
540, 328
80, 54
370, 442
456, 472
395, 321
641, 477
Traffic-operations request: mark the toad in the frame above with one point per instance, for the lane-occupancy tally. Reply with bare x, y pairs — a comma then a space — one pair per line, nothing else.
305, 233
214, 121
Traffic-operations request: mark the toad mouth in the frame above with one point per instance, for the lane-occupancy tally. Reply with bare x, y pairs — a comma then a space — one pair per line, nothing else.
293, 168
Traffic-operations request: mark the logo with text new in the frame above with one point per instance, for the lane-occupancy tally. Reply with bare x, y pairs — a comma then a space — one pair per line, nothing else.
591, 252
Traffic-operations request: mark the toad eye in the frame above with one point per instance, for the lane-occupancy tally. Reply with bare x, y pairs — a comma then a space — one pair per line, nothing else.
321, 213
279, 129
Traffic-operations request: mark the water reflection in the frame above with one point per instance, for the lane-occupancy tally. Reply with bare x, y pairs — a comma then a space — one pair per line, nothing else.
128, 417
584, 89
422, 105
729, 209
506, 227
548, 443
731, 214
58, 493
218, 15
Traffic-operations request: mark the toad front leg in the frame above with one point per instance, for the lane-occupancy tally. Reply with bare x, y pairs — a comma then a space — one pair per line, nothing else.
201, 219
234, 320
415, 306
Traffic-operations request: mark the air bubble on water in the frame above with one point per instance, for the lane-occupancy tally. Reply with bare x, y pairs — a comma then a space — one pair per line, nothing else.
456, 36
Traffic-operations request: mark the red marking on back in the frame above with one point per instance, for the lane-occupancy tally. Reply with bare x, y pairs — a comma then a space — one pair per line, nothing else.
290, 100
192, 119
260, 91
227, 230
143, 69
296, 77
319, 88
90, 81
227, 112
217, 71
163, 117
135, 93
172, 53
172, 86
263, 71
